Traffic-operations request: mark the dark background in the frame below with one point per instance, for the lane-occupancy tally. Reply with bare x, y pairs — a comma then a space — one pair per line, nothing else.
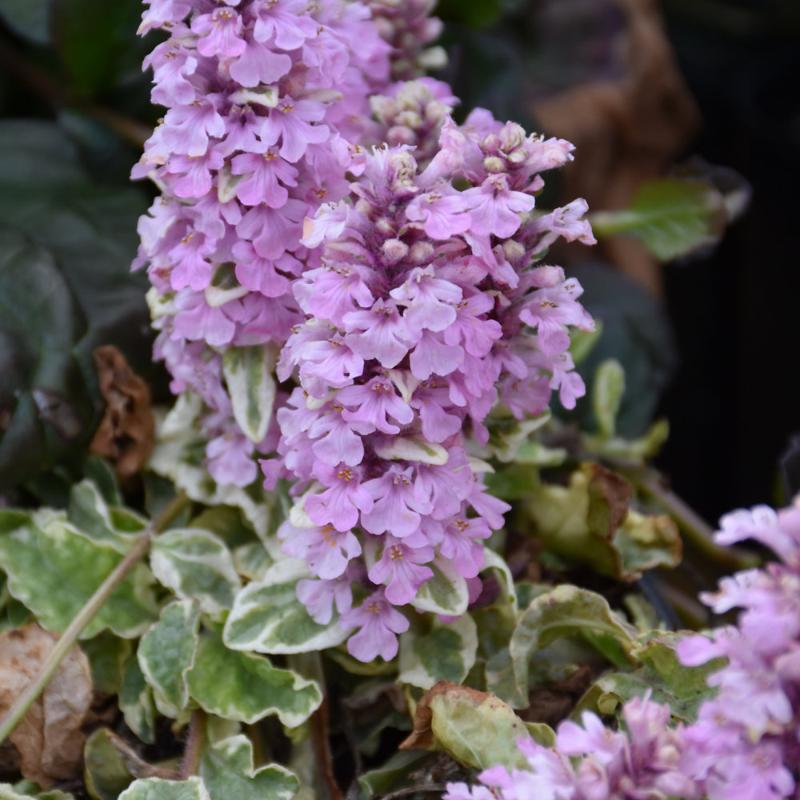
732, 397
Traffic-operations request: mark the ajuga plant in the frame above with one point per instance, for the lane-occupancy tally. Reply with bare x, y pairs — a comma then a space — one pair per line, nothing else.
373, 527
406, 307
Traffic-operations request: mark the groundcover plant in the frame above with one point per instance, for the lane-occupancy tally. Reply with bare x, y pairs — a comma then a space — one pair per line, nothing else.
364, 558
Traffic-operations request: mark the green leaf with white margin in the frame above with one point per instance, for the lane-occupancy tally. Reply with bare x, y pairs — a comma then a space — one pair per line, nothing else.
104, 524
228, 771
567, 611
246, 687
476, 728
53, 570
607, 392
167, 653
661, 674
136, 703
158, 789
248, 374
252, 560
445, 652
445, 593
196, 564
494, 561
268, 617
179, 455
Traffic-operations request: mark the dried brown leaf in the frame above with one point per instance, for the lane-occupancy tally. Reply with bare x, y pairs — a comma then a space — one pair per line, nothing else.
127, 431
48, 741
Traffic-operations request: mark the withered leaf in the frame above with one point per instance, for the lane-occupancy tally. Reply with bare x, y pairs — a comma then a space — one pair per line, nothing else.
48, 741
126, 433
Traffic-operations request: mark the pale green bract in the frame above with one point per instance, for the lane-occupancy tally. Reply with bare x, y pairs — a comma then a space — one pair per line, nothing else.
197, 565
248, 374
53, 569
158, 789
246, 687
228, 771
446, 652
166, 654
267, 616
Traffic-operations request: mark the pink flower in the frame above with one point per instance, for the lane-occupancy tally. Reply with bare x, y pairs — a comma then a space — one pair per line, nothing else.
291, 123
496, 208
379, 333
399, 502
344, 497
264, 178
399, 570
430, 300
378, 623
321, 596
220, 33
370, 405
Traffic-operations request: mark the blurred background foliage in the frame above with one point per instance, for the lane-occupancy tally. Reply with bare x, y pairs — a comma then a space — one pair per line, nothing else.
705, 340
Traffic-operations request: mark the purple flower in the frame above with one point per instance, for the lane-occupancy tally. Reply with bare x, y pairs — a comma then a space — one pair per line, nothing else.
291, 123
344, 497
370, 405
399, 570
378, 623
496, 208
379, 333
430, 300
321, 596
219, 33
399, 502
264, 178
326, 550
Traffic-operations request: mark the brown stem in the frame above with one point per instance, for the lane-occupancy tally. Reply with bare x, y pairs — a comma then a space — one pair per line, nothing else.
195, 742
320, 741
428, 788
694, 527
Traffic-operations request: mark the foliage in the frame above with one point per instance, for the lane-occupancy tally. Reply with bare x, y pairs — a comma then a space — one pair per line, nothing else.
201, 674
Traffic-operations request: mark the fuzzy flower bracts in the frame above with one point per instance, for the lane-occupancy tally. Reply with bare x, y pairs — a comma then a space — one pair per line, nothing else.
263, 98
424, 313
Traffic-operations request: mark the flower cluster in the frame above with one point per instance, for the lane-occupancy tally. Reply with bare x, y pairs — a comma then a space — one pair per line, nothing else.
593, 762
407, 25
264, 98
746, 742
426, 311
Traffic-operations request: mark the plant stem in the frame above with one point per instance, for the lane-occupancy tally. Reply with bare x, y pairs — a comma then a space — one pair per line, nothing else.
694, 527
429, 788
194, 744
84, 617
